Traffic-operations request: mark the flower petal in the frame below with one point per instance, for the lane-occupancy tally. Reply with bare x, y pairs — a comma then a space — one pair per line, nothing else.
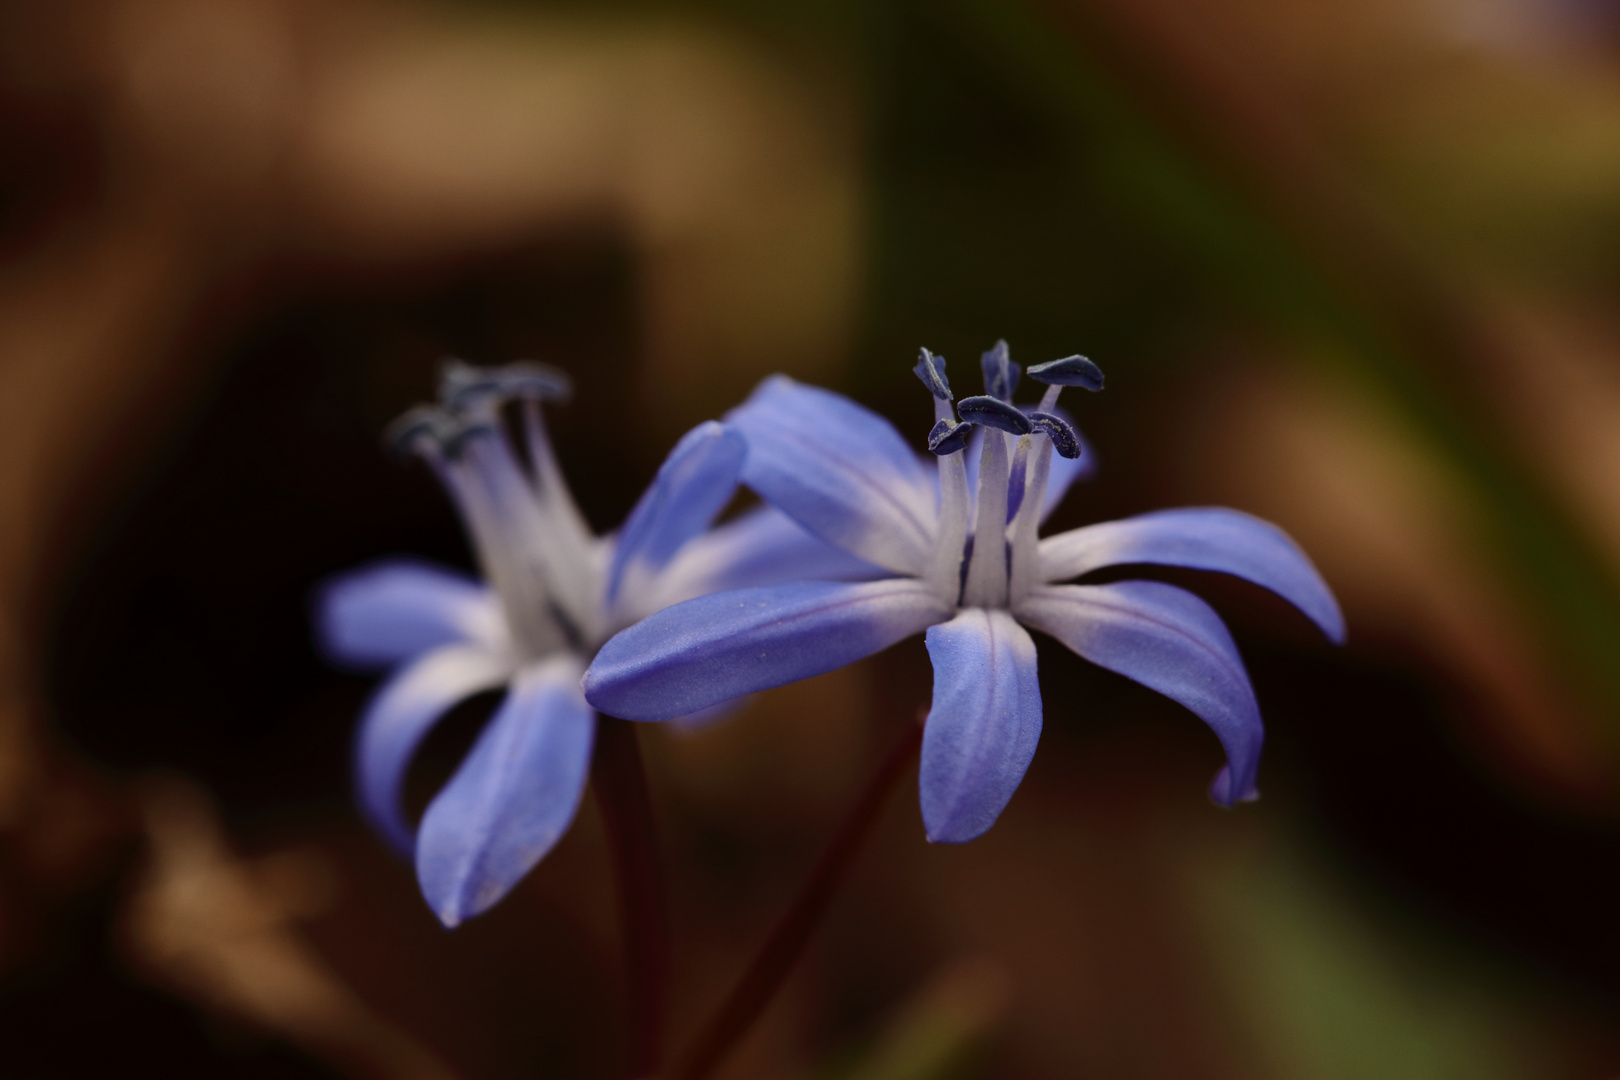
1064, 472
982, 726
394, 609
1168, 640
840, 470
513, 797
401, 713
693, 485
1200, 538
762, 546
693, 655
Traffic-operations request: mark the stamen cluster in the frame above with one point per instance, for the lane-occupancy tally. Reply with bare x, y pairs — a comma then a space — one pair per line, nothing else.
971, 566
530, 539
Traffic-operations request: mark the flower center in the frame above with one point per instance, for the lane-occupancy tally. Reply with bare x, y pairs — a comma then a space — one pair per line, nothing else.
993, 564
529, 538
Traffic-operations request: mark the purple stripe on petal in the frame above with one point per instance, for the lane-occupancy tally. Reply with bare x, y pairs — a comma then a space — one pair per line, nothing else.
982, 726
1200, 538
513, 797
395, 609
840, 470
1168, 640
693, 485
401, 714
693, 655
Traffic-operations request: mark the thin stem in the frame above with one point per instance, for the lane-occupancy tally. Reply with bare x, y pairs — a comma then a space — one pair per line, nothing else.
775, 959
620, 784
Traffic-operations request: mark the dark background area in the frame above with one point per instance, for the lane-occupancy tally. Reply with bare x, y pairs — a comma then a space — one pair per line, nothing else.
1427, 888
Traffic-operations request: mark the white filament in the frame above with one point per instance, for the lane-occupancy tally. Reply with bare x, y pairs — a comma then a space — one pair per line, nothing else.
955, 502
489, 520
987, 570
1026, 528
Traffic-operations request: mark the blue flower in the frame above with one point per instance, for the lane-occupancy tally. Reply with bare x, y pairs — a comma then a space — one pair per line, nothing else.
965, 563
555, 592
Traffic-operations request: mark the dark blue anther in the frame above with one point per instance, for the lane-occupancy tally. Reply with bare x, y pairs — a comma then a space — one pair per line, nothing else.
1000, 373
462, 385
993, 412
1065, 440
426, 427
931, 370
948, 437
1069, 371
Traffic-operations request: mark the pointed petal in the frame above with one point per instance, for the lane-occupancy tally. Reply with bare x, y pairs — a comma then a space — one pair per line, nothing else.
693, 655
1168, 640
514, 796
840, 470
401, 714
394, 609
761, 547
1201, 538
982, 726
693, 485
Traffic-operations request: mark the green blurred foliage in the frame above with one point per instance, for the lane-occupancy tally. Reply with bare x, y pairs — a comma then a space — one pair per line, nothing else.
1326, 991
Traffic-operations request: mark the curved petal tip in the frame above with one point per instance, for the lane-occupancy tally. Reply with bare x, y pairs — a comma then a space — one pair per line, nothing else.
512, 798
1220, 790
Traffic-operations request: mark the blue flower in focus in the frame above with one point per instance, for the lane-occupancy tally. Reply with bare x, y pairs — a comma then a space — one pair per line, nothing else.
966, 564
554, 593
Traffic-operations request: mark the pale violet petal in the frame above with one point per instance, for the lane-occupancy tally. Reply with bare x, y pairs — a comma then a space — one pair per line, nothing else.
1064, 472
1168, 640
693, 485
398, 717
513, 797
841, 471
1200, 538
982, 726
763, 546
394, 609
693, 655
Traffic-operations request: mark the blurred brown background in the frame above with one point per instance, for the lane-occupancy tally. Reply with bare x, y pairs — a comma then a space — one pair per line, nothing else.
1355, 268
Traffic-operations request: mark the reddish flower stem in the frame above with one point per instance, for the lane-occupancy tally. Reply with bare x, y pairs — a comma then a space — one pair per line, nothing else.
776, 958
620, 783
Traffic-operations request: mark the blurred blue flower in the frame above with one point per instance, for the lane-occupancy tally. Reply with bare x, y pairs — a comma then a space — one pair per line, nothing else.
554, 593
965, 563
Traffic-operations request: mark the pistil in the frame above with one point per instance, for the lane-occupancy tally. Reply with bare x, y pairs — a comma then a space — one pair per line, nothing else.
987, 569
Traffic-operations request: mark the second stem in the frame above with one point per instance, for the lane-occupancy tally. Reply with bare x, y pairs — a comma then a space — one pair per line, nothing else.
620, 783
